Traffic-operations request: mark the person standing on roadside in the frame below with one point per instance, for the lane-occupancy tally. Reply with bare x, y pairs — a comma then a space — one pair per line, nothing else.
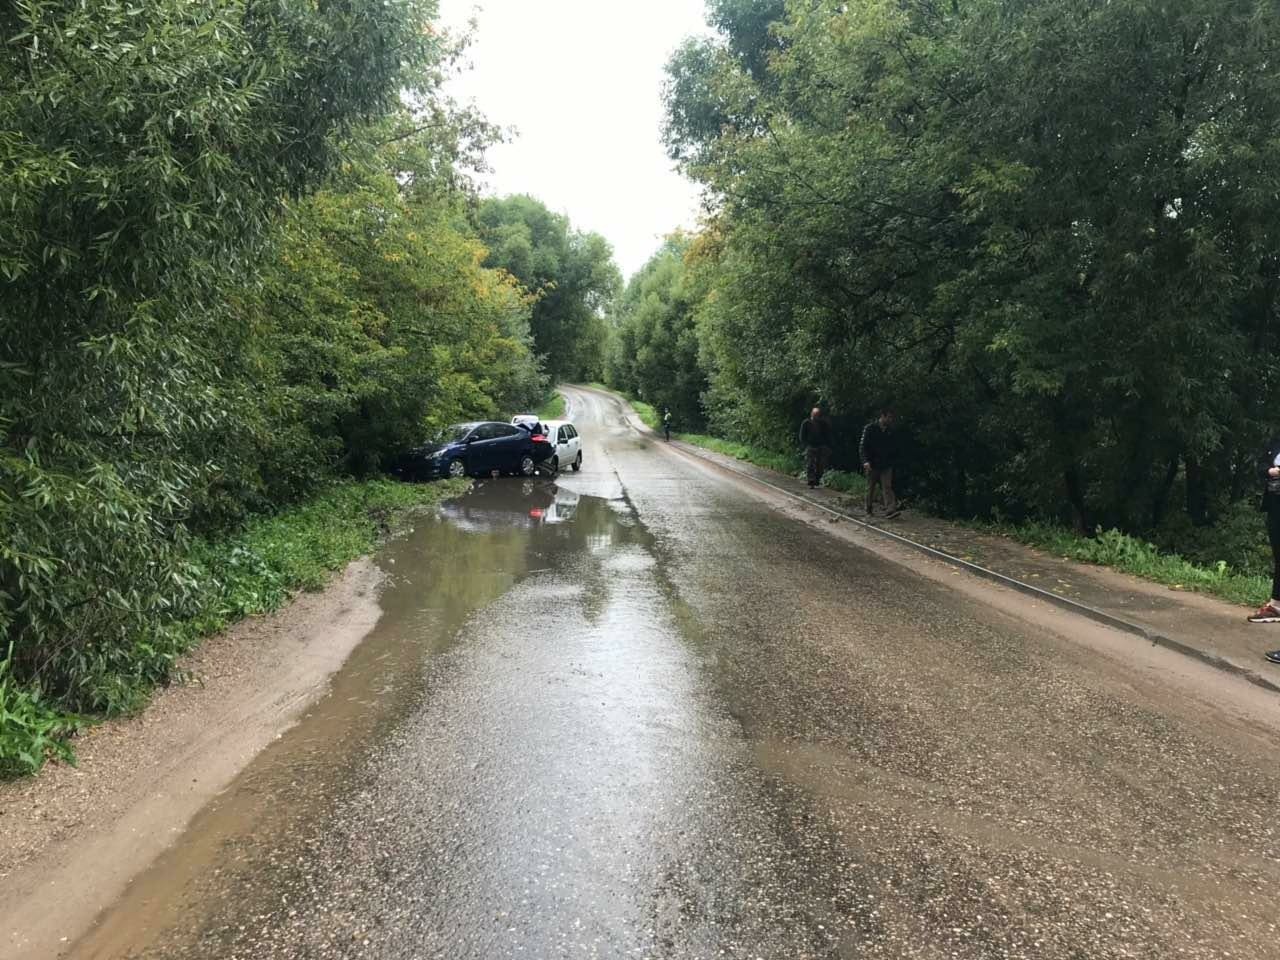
815, 437
666, 422
879, 452
1269, 474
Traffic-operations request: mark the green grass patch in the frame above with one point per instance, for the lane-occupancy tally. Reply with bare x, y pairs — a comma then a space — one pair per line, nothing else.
789, 463
846, 481
646, 413
1133, 555
255, 570
553, 408
271, 558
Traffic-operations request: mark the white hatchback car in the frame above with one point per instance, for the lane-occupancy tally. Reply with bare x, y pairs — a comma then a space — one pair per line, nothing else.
566, 445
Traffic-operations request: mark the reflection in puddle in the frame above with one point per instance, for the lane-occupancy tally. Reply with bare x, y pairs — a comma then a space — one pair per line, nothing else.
495, 506
454, 563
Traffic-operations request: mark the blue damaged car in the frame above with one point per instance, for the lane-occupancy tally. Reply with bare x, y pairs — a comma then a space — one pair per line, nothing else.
476, 450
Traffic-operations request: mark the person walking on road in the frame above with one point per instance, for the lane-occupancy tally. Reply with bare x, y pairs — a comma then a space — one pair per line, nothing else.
878, 449
666, 423
1269, 474
815, 437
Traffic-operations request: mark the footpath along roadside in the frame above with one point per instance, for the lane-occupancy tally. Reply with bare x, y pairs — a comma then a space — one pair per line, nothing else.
1204, 628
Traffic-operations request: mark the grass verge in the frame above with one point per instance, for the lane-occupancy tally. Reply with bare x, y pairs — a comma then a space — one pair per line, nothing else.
255, 570
553, 408
1133, 555
790, 464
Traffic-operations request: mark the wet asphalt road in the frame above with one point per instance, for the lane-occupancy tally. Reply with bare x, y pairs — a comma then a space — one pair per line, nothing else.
638, 713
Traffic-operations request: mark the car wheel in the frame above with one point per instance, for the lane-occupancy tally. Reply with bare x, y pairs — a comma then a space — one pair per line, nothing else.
554, 465
457, 469
526, 466
577, 464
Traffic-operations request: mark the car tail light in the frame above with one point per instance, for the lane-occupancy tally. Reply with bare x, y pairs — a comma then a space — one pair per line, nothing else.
539, 438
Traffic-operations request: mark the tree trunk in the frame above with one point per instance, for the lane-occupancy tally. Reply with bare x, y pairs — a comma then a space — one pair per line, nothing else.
960, 492
1197, 492
1161, 501
1075, 498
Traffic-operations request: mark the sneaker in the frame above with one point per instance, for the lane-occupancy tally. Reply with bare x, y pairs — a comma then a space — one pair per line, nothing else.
1267, 613
1273, 656
893, 514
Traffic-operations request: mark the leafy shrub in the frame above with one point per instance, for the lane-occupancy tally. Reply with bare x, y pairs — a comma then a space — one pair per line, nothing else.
30, 728
254, 570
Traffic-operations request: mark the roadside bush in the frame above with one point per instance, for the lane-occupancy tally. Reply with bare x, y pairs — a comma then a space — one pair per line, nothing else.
253, 570
1238, 537
30, 728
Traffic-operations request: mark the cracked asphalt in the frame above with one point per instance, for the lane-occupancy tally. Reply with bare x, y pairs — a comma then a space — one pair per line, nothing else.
643, 712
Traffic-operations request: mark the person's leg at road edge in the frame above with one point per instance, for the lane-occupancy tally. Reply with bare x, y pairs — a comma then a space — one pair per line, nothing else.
890, 498
1270, 611
813, 465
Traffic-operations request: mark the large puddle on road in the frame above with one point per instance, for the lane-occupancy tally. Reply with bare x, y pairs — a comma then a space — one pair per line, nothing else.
454, 563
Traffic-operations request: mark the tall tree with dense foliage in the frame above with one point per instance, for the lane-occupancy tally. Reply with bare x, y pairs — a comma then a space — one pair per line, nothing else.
572, 274
1048, 232
374, 327
654, 349
153, 378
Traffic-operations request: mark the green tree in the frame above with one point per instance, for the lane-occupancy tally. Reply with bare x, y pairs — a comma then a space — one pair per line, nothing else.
571, 273
145, 150
374, 327
1045, 231
654, 350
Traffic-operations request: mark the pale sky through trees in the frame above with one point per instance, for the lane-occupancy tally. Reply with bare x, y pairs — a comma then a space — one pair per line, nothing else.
581, 82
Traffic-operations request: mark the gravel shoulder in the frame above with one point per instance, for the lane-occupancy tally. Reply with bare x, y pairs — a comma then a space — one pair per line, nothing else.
77, 835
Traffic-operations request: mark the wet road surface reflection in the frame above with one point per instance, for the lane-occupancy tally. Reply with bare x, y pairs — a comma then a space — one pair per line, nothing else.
666, 722
518, 761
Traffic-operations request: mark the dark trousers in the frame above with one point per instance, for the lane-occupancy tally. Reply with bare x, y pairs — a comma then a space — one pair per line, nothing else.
1273, 534
816, 460
881, 477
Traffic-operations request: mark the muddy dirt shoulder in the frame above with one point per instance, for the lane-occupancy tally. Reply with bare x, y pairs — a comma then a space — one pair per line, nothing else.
86, 830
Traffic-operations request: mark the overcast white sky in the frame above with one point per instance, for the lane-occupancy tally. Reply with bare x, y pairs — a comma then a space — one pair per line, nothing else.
581, 82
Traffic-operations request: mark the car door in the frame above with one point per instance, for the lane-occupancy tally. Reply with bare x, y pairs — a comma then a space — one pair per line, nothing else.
575, 443
510, 443
482, 451
563, 456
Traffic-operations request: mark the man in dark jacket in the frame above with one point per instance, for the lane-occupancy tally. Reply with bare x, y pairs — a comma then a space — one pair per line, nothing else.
879, 452
815, 437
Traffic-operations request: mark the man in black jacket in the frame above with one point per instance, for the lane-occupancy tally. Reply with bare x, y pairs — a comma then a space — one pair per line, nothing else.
815, 437
879, 452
